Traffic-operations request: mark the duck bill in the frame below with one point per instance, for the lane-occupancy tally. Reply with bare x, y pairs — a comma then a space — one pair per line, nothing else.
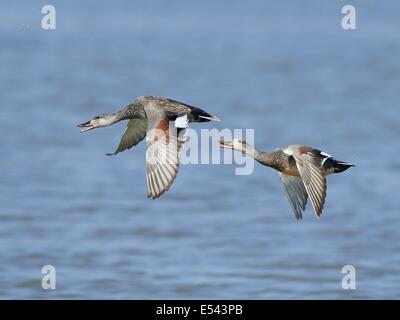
86, 126
225, 144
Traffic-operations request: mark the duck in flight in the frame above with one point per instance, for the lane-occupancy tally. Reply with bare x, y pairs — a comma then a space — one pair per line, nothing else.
302, 171
163, 122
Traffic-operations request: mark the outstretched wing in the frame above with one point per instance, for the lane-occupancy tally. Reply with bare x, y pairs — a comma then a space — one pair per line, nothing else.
162, 156
309, 163
134, 133
295, 192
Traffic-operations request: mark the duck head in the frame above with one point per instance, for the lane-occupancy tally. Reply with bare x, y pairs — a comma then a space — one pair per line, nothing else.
101, 120
235, 144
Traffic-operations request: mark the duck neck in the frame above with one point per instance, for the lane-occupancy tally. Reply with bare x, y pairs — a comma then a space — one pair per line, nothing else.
265, 158
132, 111
110, 119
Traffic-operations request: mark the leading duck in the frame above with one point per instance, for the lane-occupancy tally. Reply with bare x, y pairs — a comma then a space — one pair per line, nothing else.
163, 122
302, 170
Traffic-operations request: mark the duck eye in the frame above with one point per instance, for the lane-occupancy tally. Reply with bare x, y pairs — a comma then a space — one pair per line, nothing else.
96, 118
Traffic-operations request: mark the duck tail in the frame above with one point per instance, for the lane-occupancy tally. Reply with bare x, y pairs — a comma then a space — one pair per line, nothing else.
200, 115
340, 166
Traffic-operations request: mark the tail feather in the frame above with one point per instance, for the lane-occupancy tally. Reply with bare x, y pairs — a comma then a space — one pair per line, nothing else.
340, 166
210, 118
199, 115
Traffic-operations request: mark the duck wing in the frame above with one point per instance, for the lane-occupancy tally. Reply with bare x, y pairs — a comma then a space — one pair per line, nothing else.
134, 133
295, 192
175, 108
162, 155
309, 162
195, 114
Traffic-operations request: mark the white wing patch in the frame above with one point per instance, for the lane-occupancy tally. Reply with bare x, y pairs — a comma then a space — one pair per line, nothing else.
326, 154
182, 121
288, 151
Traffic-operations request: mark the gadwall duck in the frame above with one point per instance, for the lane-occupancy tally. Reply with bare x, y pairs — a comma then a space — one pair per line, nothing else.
302, 170
163, 122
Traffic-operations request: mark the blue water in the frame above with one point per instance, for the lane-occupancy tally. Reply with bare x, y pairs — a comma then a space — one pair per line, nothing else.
289, 71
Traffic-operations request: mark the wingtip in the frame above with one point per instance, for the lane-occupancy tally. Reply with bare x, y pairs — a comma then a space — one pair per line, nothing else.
153, 197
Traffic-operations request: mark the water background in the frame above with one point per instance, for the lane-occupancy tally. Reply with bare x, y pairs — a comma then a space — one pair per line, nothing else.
288, 70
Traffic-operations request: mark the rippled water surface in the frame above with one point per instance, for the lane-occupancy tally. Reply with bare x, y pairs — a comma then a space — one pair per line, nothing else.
287, 70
